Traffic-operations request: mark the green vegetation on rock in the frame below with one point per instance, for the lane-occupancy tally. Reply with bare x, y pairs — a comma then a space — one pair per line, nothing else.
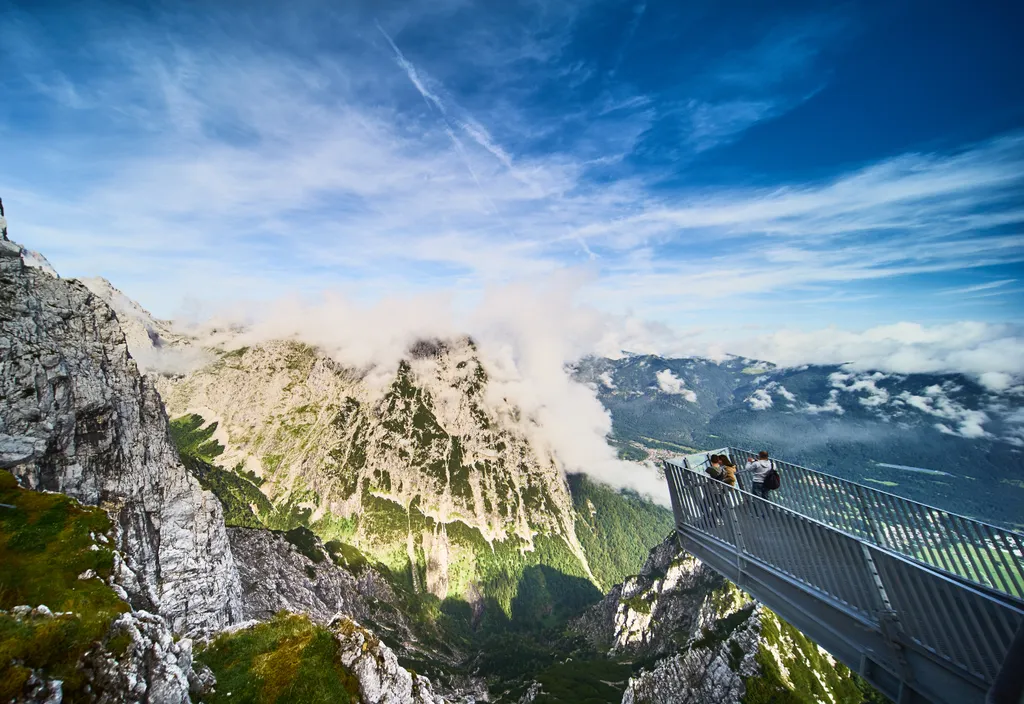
238, 490
195, 441
597, 681
616, 528
287, 659
809, 677
45, 544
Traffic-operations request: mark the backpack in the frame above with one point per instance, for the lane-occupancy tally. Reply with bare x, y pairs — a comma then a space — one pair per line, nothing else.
772, 480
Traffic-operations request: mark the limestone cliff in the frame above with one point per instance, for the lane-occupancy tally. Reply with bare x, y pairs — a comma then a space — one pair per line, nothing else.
77, 417
428, 472
703, 640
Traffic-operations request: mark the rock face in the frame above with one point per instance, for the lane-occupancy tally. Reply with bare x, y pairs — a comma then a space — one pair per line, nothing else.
428, 470
77, 417
381, 679
709, 641
276, 575
153, 667
657, 611
155, 344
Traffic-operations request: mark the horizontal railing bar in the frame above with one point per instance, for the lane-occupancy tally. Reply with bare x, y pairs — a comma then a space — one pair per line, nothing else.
889, 493
867, 620
922, 532
938, 570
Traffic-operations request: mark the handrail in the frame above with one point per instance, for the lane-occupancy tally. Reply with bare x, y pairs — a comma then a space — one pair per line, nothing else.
972, 551
753, 454
966, 628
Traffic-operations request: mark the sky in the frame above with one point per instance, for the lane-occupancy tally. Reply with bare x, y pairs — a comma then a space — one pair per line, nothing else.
798, 180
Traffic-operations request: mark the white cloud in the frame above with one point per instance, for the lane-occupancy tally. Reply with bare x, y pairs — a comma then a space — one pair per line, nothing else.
785, 393
979, 287
866, 384
760, 400
606, 379
831, 405
935, 401
992, 353
669, 383
996, 381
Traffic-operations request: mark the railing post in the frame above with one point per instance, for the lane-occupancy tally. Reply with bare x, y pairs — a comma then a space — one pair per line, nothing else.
868, 518
673, 490
888, 619
741, 563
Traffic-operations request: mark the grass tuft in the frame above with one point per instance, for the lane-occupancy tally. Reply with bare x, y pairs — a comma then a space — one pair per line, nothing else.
287, 659
45, 543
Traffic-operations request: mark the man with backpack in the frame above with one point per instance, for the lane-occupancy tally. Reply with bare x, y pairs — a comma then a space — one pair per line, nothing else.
766, 478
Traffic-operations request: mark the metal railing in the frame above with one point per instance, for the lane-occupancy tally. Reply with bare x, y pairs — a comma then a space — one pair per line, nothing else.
979, 553
967, 629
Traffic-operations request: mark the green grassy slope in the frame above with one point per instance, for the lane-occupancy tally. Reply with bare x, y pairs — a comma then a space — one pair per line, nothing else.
45, 544
616, 528
285, 660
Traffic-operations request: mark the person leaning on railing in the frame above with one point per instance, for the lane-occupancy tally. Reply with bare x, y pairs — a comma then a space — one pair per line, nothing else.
761, 467
721, 468
728, 470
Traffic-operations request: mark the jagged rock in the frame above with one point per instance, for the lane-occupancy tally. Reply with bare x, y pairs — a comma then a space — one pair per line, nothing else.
381, 679
706, 637
137, 662
77, 417
39, 690
152, 668
532, 693
155, 344
648, 614
701, 675
430, 442
38, 261
275, 576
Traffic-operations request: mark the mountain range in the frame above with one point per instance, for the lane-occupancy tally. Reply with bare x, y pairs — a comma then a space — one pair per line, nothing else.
942, 439
260, 522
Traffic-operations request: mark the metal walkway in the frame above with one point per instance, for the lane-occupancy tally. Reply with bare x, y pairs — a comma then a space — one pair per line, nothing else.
921, 602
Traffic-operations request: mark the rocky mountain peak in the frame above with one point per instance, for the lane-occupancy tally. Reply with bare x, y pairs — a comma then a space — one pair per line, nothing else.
408, 472
80, 419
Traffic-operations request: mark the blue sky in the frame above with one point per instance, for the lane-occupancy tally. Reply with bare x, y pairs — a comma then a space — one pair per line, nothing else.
724, 165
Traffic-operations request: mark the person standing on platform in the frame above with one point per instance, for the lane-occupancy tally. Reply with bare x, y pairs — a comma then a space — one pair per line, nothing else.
761, 467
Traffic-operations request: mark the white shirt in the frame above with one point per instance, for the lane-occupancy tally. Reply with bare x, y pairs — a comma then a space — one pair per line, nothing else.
761, 469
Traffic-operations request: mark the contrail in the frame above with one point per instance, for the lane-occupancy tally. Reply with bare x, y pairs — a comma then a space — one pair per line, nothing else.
478, 134
410, 71
475, 130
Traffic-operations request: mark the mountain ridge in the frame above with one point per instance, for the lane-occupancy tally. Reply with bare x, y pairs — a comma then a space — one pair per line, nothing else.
485, 618
941, 439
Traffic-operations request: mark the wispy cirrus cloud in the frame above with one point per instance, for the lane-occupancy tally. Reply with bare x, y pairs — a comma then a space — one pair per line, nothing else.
988, 286
250, 168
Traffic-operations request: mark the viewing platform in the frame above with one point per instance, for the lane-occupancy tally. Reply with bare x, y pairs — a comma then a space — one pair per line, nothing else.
923, 603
